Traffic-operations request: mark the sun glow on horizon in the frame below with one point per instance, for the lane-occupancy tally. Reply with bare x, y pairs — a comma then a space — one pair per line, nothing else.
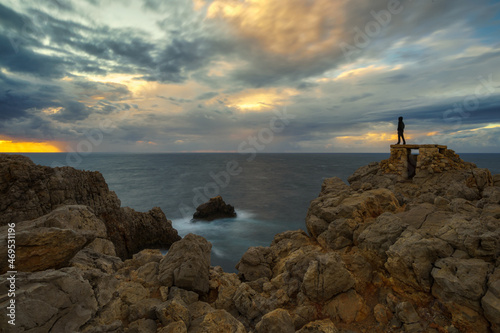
9, 146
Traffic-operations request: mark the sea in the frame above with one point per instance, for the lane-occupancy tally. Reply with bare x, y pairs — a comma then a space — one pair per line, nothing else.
271, 192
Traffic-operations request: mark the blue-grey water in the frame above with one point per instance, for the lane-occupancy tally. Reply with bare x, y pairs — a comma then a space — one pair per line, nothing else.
271, 193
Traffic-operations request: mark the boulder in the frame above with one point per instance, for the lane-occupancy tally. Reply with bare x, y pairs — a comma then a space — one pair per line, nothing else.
326, 277
411, 258
347, 307
52, 300
255, 264
491, 301
381, 234
319, 326
215, 208
187, 264
217, 321
460, 281
278, 320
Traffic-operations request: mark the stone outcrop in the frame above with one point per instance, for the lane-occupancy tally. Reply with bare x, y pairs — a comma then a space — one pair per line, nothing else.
214, 209
29, 191
380, 255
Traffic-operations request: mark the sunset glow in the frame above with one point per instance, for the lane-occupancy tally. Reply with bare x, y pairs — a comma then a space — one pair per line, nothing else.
8, 146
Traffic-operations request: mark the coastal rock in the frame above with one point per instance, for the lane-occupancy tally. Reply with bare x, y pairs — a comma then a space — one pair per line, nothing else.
255, 264
411, 258
326, 277
357, 206
348, 307
278, 320
215, 208
133, 231
217, 321
29, 191
319, 326
491, 301
53, 300
187, 264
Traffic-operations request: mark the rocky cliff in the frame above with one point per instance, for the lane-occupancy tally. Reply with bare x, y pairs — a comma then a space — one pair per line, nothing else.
379, 255
40, 200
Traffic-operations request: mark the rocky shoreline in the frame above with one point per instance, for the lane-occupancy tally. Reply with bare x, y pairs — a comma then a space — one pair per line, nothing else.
380, 255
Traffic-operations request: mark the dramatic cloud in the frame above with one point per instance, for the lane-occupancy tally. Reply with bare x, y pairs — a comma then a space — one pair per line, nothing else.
207, 75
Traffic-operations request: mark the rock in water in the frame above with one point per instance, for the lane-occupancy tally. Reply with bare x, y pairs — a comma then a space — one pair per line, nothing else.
214, 209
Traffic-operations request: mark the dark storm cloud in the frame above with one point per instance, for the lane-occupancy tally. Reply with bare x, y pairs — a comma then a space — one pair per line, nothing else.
356, 98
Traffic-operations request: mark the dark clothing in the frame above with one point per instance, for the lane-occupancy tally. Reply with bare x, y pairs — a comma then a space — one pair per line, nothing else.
401, 129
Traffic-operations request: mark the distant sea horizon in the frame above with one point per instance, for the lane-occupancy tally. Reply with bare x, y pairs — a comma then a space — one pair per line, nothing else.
271, 192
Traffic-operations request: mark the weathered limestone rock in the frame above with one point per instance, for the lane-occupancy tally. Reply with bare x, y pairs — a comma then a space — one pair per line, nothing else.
381, 234
319, 326
348, 307
215, 208
56, 300
491, 301
172, 311
218, 321
326, 277
255, 264
187, 264
278, 320
411, 259
461, 281
29, 191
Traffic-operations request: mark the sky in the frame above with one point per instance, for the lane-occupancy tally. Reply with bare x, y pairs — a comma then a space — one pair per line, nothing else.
89, 76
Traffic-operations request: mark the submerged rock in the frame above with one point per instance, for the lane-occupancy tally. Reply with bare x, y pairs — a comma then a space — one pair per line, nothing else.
214, 209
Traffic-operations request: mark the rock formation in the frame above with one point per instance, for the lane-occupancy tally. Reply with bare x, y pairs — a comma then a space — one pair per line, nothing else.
29, 191
215, 208
380, 255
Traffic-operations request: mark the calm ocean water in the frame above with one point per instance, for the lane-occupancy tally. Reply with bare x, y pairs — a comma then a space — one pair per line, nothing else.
271, 194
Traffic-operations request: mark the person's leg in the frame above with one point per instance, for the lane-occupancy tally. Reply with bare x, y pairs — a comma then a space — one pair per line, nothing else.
404, 141
399, 138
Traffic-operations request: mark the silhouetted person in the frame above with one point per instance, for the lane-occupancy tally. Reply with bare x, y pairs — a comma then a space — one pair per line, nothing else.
401, 129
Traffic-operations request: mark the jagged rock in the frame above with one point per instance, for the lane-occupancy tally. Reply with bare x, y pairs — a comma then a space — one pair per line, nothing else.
411, 259
172, 311
29, 191
217, 321
491, 301
319, 326
175, 327
338, 235
55, 300
460, 281
255, 264
215, 208
142, 326
248, 302
278, 320
348, 307
188, 297
326, 277
382, 314
381, 234
133, 231
496, 180
43, 248
88, 259
357, 206
187, 264
224, 286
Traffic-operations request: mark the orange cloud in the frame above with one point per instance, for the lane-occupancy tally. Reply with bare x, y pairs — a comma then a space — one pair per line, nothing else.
260, 99
293, 27
9, 146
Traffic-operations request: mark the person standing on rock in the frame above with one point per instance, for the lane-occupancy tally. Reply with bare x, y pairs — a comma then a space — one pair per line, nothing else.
401, 129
